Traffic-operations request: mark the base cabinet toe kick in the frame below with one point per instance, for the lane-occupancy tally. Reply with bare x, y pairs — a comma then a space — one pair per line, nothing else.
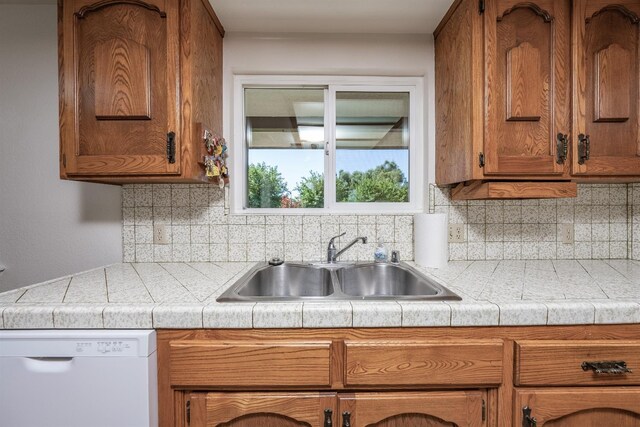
393, 377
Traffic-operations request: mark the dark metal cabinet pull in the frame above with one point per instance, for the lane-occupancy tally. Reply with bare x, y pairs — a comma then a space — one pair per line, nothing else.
562, 148
328, 414
607, 367
346, 419
584, 148
171, 147
527, 419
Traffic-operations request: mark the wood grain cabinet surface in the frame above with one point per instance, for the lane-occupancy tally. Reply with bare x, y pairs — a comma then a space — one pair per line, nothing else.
261, 409
417, 409
606, 95
250, 364
564, 363
537, 91
577, 407
135, 78
402, 409
402, 377
545, 370
527, 75
414, 363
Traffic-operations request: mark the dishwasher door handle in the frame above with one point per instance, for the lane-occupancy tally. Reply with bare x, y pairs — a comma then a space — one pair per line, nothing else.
51, 365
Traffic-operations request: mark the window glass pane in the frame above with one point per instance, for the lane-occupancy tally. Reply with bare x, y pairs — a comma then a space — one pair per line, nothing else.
372, 147
285, 147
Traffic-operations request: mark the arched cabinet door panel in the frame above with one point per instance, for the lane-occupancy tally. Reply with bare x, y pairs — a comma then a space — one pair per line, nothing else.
578, 407
415, 409
261, 409
527, 69
606, 112
139, 81
124, 56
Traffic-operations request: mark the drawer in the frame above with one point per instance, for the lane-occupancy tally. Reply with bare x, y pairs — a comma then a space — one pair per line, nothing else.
560, 362
423, 363
248, 364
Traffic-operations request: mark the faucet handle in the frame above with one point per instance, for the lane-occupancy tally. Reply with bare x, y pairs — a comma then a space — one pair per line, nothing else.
395, 257
335, 237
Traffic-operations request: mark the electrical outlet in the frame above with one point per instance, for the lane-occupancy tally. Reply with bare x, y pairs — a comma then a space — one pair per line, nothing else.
161, 235
456, 233
565, 233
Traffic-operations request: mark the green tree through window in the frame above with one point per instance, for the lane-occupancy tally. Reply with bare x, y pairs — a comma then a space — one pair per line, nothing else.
267, 187
384, 183
311, 191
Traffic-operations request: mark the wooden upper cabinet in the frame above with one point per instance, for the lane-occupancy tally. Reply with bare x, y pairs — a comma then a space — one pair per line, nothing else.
606, 137
537, 91
577, 407
503, 99
127, 102
459, 79
527, 103
420, 409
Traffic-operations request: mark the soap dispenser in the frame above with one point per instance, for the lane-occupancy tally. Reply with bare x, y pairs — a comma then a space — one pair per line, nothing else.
380, 254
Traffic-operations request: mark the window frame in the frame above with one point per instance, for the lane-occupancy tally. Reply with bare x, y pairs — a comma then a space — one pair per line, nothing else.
332, 84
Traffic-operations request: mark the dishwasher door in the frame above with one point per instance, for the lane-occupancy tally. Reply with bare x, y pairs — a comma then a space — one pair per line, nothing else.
78, 378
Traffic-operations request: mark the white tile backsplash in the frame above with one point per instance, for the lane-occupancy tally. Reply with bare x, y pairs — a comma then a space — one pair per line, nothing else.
605, 218
602, 216
202, 229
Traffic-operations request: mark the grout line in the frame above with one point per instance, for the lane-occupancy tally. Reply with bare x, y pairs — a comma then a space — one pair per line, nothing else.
66, 290
106, 283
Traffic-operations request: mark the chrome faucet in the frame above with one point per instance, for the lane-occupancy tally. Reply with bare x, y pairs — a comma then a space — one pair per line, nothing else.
333, 253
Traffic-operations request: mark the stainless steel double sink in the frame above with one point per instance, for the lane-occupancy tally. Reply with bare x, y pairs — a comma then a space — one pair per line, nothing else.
335, 281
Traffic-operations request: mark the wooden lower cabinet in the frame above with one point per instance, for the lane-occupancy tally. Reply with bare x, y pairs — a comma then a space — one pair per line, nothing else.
392, 409
578, 407
566, 376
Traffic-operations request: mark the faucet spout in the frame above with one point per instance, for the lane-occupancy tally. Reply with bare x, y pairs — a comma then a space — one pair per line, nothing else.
332, 255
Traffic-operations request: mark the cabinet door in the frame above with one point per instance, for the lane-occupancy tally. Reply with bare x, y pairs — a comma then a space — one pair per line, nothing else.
119, 87
527, 92
582, 407
262, 409
426, 409
606, 139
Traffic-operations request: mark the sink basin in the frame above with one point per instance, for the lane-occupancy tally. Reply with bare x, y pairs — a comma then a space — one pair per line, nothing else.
286, 281
390, 280
362, 281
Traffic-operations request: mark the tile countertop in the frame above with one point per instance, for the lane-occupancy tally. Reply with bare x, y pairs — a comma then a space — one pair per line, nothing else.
179, 295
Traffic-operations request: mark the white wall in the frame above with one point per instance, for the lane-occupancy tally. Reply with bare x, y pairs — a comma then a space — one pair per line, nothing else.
333, 54
48, 227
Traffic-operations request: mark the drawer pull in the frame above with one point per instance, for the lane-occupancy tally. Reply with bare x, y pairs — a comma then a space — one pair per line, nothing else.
612, 368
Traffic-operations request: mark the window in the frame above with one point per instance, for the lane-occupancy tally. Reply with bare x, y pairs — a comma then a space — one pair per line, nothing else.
327, 145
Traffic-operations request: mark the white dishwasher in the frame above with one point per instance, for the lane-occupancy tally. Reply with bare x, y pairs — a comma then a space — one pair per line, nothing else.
78, 378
